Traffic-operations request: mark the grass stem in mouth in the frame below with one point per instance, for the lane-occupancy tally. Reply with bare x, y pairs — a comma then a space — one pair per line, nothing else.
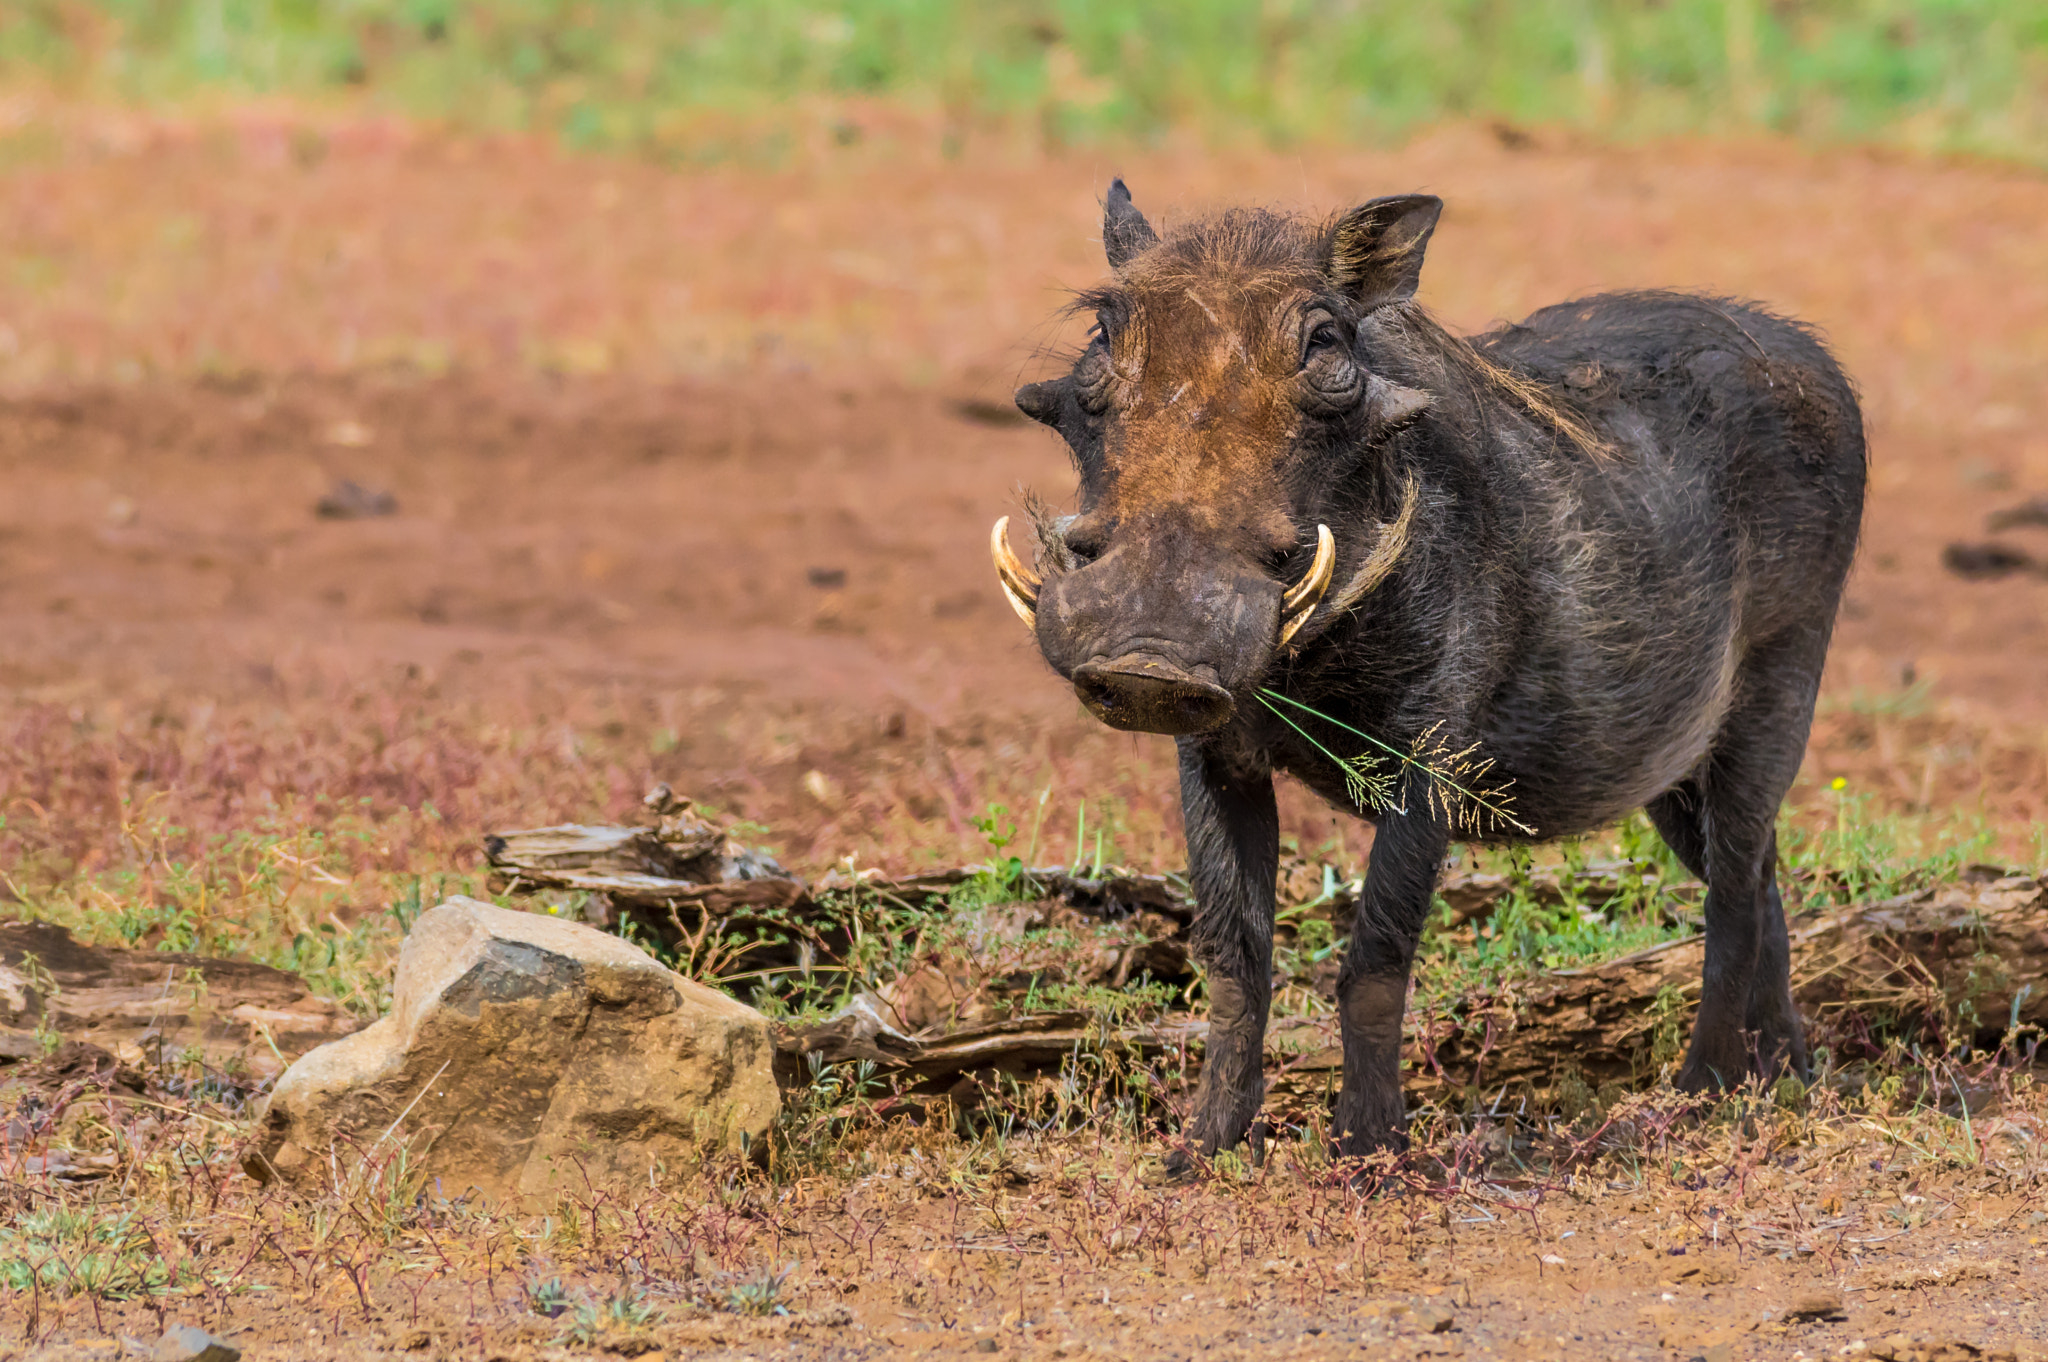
1452, 775
1368, 784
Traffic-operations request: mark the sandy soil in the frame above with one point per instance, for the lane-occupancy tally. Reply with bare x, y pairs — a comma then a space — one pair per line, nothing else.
1779, 1240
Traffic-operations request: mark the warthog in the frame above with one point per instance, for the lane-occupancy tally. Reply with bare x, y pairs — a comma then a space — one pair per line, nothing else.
1600, 549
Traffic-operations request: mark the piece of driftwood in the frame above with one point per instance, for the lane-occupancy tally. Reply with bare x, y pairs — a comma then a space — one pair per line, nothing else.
685, 858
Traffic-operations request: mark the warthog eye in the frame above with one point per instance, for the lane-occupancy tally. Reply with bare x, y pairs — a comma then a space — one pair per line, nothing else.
1092, 376
1330, 380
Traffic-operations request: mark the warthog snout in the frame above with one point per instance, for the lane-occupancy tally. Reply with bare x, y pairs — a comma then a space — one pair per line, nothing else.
1158, 631
1145, 693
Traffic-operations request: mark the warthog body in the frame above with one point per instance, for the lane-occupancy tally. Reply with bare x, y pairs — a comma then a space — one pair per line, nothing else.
1602, 548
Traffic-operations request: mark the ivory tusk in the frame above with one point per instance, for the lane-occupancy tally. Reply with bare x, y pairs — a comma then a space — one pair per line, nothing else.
1303, 595
1302, 598
1393, 540
1020, 584
1292, 625
1024, 612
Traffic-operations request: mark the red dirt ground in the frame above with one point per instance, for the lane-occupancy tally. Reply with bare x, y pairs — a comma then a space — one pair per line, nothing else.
638, 420
627, 410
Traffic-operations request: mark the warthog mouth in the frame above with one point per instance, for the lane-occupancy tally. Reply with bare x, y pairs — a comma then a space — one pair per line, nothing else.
1142, 692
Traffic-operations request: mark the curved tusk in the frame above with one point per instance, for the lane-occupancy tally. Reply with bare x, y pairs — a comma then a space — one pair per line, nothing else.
1020, 584
1393, 540
1303, 595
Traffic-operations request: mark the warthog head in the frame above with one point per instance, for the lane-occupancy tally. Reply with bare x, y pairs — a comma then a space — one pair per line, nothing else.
1219, 417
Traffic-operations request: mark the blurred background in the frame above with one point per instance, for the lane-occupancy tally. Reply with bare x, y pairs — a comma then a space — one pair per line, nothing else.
419, 417
704, 81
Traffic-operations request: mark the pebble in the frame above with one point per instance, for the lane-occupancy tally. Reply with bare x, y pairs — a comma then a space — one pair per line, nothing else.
1818, 1305
1435, 1319
183, 1343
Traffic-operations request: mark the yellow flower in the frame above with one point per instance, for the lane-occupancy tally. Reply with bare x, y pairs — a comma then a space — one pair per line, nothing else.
1839, 783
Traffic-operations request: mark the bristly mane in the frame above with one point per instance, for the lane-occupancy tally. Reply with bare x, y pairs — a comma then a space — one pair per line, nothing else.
1256, 245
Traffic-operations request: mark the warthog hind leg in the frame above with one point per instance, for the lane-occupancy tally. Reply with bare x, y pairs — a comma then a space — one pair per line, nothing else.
1722, 824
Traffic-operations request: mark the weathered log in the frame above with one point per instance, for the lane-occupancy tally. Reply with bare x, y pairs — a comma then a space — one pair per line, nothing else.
1964, 961
686, 871
632, 864
146, 1007
570, 848
1020, 1044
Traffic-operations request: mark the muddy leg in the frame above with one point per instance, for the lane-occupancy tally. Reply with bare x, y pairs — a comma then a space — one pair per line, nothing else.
1233, 832
1679, 816
1747, 1023
1372, 991
1773, 1018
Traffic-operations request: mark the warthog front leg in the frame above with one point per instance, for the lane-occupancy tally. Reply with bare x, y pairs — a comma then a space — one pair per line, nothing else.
1372, 991
1233, 832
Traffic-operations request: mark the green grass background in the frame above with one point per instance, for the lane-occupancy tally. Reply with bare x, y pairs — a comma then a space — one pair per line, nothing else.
1966, 75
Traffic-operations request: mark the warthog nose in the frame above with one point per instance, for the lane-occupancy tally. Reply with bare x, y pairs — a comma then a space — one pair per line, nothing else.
1144, 693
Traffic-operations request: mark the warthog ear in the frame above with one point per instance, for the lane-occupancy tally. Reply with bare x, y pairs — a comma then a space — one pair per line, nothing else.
1125, 233
1042, 402
1376, 248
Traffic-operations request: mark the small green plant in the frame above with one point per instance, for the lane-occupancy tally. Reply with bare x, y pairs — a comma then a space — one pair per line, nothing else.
1231, 1165
1135, 1001
1667, 1030
1571, 911
83, 1251
547, 1297
815, 1118
1859, 853
760, 1296
1081, 858
621, 1312
45, 986
1005, 878
1307, 937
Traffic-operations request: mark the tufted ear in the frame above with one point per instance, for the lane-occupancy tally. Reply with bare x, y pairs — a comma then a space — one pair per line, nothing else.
1125, 233
1375, 251
1042, 402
